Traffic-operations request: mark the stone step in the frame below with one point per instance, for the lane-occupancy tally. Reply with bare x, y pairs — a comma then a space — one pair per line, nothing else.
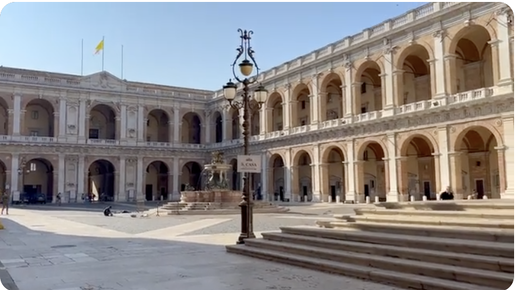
496, 264
487, 214
403, 280
465, 245
468, 205
439, 231
434, 221
434, 270
224, 211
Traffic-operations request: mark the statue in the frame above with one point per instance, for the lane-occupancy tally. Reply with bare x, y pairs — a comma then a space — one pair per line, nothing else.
217, 172
216, 157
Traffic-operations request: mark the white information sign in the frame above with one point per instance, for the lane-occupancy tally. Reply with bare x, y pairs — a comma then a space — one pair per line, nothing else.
249, 163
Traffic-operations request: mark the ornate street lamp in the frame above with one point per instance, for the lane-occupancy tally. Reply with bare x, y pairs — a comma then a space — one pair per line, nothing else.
259, 96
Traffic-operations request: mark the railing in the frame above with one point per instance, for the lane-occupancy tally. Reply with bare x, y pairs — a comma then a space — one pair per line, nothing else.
103, 141
470, 95
414, 107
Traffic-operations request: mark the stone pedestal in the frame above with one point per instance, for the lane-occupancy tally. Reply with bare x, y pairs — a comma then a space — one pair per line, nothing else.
217, 196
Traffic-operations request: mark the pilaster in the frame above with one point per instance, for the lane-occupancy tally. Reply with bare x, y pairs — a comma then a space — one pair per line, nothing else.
457, 185
264, 176
294, 184
444, 166
387, 80
118, 128
139, 179
287, 110
121, 195
508, 137
347, 96
62, 117
356, 97
439, 81
315, 102
288, 175
503, 21
15, 165
17, 115
398, 85
359, 182
123, 122
224, 125
350, 170
81, 174
401, 167
61, 175
175, 182
141, 124
177, 125
393, 193
82, 122
324, 184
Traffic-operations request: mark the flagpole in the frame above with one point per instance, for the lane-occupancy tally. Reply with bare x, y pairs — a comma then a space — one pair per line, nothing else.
82, 56
122, 64
103, 48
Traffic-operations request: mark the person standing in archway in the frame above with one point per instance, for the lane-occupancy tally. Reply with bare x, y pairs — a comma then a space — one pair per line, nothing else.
5, 203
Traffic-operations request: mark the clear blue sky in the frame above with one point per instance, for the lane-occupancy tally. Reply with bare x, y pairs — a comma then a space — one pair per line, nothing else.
180, 44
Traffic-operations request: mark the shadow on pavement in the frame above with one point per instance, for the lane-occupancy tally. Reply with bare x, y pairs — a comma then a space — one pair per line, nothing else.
44, 260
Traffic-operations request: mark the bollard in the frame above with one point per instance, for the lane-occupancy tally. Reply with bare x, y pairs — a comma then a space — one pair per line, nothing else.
368, 199
329, 198
376, 199
305, 198
484, 197
337, 199
425, 198
469, 197
412, 199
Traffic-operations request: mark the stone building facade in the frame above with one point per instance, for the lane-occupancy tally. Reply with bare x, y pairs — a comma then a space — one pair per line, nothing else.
405, 108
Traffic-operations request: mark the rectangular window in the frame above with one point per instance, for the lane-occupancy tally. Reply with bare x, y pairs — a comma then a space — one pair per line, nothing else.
32, 166
34, 115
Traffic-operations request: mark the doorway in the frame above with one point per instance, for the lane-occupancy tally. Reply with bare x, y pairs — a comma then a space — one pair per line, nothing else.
281, 193
163, 193
426, 189
479, 184
366, 190
148, 192
305, 192
333, 190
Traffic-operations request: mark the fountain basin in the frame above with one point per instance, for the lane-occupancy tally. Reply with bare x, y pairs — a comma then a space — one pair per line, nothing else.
216, 196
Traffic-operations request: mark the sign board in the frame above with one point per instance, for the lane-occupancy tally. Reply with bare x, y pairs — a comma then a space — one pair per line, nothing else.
249, 163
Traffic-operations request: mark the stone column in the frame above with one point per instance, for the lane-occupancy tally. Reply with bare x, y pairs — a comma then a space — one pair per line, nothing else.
139, 179
57, 129
81, 176
323, 180
503, 22
170, 186
55, 180
387, 81
23, 130
444, 166
398, 84
286, 108
224, 125
437, 168
264, 176
116, 185
263, 119
61, 175
10, 129
82, 122
177, 125
121, 196
118, 133
350, 172
401, 166
123, 122
288, 174
141, 124
456, 174
347, 93
316, 182
450, 72
439, 76
15, 165
62, 117
16, 115
388, 181
393, 194
294, 184
508, 137
345, 178
359, 181
270, 126
175, 172
356, 99
207, 129
315, 101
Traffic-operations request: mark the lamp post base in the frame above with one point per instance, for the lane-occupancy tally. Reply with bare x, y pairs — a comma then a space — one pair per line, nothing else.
244, 223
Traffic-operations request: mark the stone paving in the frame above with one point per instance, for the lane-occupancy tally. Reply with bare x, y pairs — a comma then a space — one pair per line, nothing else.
76, 250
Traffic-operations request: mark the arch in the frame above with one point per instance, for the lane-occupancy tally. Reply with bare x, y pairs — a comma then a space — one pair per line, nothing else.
37, 176
327, 152
417, 87
39, 118
102, 122
363, 65
424, 137
369, 96
376, 145
458, 139
191, 176
4, 117
274, 112
158, 127
157, 181
191, 128
464, 31
101, 180
476, 167
331, 97
473, 60
276, 160
276, 177
299, 154
301, 115
217, 133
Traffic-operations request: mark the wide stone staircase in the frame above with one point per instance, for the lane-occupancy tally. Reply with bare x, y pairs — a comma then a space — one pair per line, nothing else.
443, 245
212, 208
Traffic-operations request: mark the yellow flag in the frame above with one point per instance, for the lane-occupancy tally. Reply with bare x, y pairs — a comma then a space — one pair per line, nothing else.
99, 47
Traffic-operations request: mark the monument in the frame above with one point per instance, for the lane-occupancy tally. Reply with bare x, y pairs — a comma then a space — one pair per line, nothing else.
213, 195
